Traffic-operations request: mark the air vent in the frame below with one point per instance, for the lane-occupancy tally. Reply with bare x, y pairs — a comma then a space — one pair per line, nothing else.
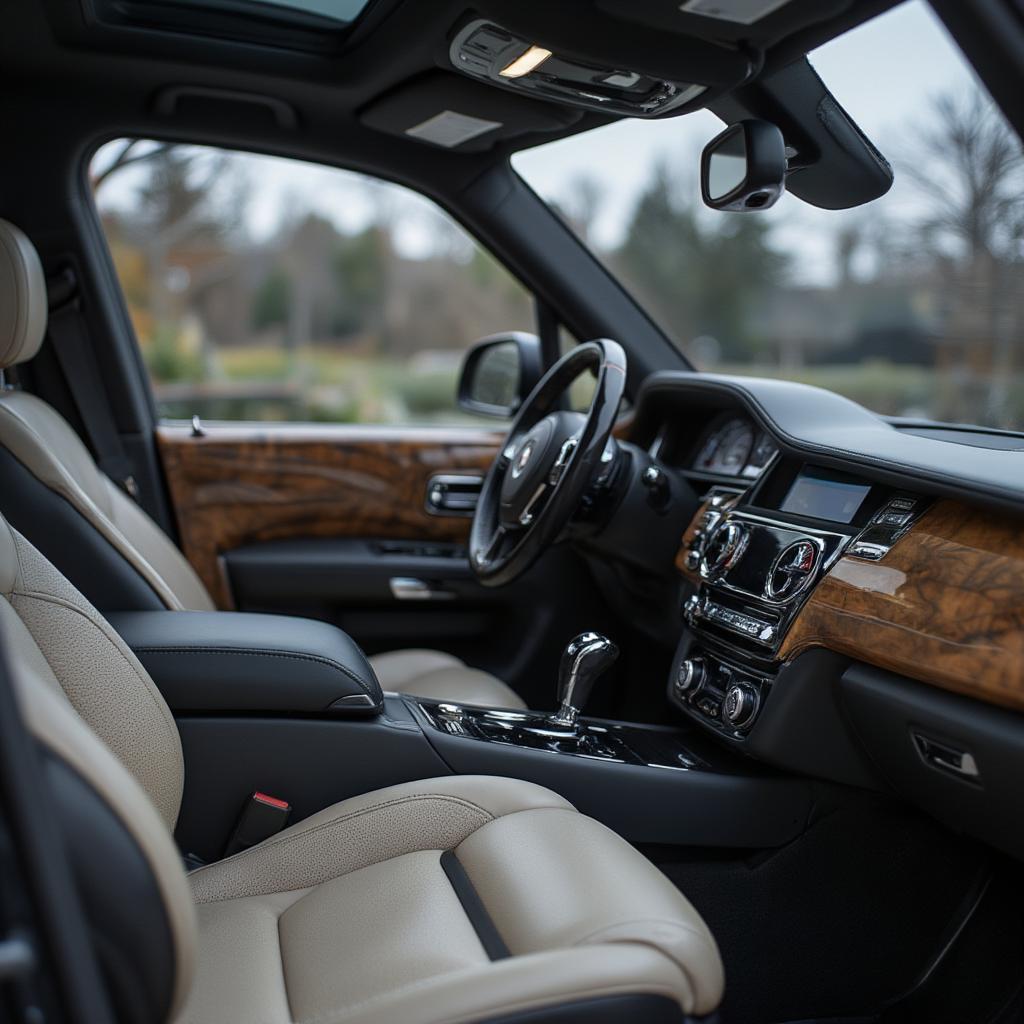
792, 570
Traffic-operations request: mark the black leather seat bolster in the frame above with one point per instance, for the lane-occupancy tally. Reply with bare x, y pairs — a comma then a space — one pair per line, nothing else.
235, 661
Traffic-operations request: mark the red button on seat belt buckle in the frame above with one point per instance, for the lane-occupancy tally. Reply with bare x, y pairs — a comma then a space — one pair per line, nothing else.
272, 801
262, 817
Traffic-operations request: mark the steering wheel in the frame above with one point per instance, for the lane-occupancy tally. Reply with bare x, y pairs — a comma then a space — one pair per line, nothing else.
545, 465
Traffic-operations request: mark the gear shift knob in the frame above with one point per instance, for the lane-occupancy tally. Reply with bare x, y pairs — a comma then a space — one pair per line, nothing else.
584, 660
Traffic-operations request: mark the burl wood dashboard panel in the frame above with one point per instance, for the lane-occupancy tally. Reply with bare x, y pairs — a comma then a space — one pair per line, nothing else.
945, 606
243, 485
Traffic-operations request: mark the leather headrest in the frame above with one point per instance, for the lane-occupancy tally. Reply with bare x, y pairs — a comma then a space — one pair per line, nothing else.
22, 297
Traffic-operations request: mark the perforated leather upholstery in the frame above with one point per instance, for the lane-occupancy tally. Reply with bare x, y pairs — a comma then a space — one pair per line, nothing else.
352, 915
46, 445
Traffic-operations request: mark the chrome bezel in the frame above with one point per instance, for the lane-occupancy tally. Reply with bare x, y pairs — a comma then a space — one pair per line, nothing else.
736, 545
802, 580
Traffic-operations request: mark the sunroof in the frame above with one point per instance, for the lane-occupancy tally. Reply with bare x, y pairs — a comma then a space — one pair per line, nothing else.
340, 11
343, 11
317, 25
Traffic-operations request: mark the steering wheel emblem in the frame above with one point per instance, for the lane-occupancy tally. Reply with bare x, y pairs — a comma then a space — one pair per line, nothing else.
522, 457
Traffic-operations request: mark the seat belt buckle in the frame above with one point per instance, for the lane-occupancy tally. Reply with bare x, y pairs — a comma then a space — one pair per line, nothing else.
262, 816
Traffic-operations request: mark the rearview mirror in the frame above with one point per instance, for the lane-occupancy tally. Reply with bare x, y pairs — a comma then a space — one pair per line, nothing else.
499, 372
744, 168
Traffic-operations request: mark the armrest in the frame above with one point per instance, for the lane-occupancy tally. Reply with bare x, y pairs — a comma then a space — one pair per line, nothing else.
236, 661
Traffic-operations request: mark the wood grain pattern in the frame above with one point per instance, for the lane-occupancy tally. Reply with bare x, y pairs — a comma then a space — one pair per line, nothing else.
945, 606
242, 485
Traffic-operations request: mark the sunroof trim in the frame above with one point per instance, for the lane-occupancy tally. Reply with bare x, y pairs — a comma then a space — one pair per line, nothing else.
283, 24
304, 12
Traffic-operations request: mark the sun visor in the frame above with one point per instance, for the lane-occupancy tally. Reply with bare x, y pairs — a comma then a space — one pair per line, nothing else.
832, 163
452, 112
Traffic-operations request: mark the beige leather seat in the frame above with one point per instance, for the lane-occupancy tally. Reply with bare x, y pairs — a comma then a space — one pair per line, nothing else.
43, 441
452, 899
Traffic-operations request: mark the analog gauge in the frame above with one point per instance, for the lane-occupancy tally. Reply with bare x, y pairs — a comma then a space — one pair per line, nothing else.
706, 456
735, 441
760, 456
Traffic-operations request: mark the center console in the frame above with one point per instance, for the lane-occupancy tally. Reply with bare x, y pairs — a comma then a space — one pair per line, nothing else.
291, 708
752, 562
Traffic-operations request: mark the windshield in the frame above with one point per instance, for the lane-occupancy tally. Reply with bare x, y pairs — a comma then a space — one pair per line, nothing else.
912, 305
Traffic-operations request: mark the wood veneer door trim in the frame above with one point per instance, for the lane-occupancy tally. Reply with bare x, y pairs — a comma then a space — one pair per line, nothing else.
240, 484
945, 606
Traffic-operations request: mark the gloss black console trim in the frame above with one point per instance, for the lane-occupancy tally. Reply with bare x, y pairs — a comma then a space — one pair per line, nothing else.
725, 800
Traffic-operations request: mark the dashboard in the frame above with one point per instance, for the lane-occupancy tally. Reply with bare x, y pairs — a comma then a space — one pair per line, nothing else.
843, 612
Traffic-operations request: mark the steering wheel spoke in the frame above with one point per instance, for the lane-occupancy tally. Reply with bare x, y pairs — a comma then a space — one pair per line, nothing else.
533, 507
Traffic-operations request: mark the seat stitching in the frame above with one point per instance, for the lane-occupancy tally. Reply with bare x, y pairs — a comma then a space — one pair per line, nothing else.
19, 577
344, 1011
263, 652
306, 833
147, 684
284, 973
681, 925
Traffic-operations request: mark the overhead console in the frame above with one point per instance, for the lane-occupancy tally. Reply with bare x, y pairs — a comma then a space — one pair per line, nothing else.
490, 52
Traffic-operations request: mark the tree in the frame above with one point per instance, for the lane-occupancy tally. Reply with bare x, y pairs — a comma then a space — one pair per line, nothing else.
582, 204
272, 301
701, 275
969, 167
362, 272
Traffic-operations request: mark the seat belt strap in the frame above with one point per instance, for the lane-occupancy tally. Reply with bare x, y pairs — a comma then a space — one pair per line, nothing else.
70, 343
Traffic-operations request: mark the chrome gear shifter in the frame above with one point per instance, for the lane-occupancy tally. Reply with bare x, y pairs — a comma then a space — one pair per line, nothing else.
584, 660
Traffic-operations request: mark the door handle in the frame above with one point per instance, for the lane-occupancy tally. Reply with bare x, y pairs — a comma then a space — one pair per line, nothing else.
409, 588
452, 494
945, 758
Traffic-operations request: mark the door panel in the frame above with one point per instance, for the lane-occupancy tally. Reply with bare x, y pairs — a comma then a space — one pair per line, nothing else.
331, 523
240, 485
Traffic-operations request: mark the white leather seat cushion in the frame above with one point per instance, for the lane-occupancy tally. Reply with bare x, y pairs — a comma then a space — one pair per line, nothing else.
439, 676
349, 916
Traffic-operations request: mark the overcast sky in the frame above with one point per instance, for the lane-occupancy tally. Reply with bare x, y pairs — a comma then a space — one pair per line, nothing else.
885, 74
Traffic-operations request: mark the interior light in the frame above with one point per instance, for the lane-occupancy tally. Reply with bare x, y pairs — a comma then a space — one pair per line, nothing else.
523, 65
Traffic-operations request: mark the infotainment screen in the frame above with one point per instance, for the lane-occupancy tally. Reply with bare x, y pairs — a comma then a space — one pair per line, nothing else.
823, 495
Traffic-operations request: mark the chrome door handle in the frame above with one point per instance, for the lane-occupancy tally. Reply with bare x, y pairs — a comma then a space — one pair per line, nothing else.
409, 588
452, 494
946, 758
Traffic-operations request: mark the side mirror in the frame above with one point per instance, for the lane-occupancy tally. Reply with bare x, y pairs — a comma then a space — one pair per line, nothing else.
498, 373
744, 168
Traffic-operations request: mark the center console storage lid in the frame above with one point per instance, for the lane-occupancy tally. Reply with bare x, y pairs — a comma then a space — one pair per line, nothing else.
237, 661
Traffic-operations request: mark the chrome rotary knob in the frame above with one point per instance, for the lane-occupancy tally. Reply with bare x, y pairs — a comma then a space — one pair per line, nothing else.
739, 705
690, 675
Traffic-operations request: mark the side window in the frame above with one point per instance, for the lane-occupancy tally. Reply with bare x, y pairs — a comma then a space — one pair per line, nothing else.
269, 289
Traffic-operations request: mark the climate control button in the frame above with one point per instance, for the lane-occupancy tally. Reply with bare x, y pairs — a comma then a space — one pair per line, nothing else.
690, 676
739, 706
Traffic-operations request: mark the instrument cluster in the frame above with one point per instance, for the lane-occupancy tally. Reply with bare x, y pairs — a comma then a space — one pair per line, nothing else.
733, 446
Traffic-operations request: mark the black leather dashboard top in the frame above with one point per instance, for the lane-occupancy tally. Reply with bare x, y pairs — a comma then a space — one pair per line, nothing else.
834, 431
